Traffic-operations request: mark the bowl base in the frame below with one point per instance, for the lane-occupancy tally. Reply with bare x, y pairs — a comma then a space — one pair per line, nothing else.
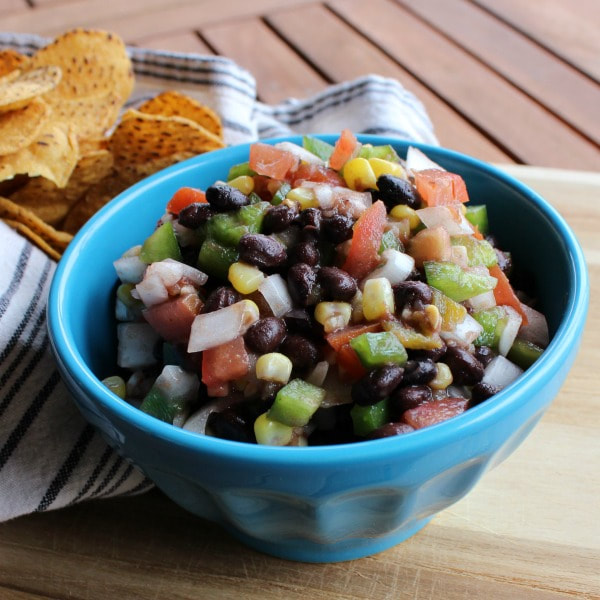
345, 550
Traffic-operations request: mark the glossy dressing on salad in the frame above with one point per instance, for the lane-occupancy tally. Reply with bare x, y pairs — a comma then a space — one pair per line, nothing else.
322, 294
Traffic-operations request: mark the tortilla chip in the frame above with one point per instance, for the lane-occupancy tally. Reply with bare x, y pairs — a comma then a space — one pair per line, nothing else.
11, 60
94, 63
53, 155
175, 104
18, 91
34, 238
141, 138
51, 203
136, 172
19, 128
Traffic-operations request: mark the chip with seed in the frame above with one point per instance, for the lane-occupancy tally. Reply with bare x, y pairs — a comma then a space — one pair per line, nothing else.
140, 138
94, 63
52, 155
19, 128
16, 92
10, 60
176, 104
51, 203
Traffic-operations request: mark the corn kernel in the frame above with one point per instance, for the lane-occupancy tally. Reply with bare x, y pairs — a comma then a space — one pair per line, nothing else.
433, 317
333, 315
359, 175
443, 377
245, 278
251, 312
304, 196
244, 183
272, 433
274, 367
378, 299
357, 307
402, 211
381, 166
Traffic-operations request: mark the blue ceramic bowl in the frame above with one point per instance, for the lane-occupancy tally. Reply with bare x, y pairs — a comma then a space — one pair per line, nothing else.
316, 504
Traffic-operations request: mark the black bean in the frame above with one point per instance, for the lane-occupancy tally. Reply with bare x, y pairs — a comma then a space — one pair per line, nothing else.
419, 372
268, 390
433, 354
306, 252
484, 355
193, 215
482, 391
337, 228
412, 294
262, 251
310, 217
376, 385
278, 218
337, 284
301, 351
220, 297
309, 234
225, 197
411, 396
465, 368
333, 425
302, 284
299, 321
390, 430
230, 424
265, 335
394, 190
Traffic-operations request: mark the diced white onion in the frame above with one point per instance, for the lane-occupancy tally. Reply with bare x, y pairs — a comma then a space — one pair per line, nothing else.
536, 330
197, 421
136, 343
416, 160
221, 326
318, 374
453, 221
396, 268
299, 152
177, 384
151, 290
510, 330
130, 269
338, 199
464, 333
459, 255
500, 372
123, 312
482, 301
275, 292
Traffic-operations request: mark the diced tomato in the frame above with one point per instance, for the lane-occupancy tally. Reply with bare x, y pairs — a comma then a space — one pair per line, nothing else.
436, 411
184, 197
440, 188
504, 293
351, 369
340, 337
172, 319
270, 161
363, 255
226, 362
343, 150
316, 173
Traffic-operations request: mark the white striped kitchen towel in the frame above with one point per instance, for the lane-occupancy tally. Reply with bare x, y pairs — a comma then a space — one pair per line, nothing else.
49, 457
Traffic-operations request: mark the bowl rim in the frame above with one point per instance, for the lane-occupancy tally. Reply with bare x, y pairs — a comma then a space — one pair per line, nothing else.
564, 341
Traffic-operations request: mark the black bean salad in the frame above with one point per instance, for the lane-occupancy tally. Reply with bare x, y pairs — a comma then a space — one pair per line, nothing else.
322, 294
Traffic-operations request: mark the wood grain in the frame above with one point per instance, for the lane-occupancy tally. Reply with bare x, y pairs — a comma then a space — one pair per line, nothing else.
529, 530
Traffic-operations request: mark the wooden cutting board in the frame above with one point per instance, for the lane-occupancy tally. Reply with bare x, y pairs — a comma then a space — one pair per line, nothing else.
529, 530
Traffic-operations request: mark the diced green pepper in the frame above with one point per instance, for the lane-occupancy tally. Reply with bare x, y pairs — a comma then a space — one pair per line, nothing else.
318, 147
389, 240
378, 349
479, 252
160, 245
411, 339
493, 321
124, 295
477, 215
281, 193
368, 418
296, 403
157, 404
524, 353
385, 152
215, 258
252, 215
239, 170
116, 385
225, 228
455, 282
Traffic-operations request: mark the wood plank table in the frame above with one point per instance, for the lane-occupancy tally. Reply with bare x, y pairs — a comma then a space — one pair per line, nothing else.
529, 530
508, 81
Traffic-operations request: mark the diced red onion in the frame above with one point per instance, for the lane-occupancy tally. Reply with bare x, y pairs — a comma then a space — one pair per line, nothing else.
135, 349
536, 330
510, 330
453, 221
500, 372
301, 153
396, 268
221, 326
275, 292
416, 160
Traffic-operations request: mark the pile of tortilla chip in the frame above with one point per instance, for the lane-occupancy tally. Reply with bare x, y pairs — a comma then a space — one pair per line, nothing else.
65, 147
